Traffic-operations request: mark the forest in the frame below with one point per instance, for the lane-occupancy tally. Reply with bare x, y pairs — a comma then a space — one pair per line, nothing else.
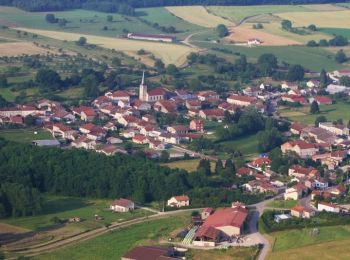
127, 6
26, 172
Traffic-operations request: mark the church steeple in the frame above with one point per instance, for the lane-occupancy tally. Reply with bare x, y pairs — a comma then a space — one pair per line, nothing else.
143, 89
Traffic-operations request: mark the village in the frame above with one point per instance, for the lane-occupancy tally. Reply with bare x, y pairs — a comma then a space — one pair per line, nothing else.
317, 179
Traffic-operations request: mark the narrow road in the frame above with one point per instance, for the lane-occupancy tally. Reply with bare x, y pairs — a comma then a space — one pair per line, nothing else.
194, 154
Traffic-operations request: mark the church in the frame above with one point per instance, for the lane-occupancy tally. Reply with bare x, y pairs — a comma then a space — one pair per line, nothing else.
152, 95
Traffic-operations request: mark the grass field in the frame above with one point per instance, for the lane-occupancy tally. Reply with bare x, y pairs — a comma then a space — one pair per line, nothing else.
289, 239
287, 204
246, 145
67, 207
115, 244
332, 112
312, 58
329, 250
21, 48
169, 53
188, 165
243, 253
25, 135
336, 19
336, 31
198, 15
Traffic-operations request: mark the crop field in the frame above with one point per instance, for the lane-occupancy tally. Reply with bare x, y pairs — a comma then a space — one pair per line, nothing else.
237, 14
335, 19
312, 58
198, 15
115, 244
169, 53
21, 48
332, 112
244, 32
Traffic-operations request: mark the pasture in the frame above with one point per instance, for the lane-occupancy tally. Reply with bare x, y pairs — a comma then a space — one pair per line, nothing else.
25, 135
187, 165
246, 145
198, 15
114, 245
339, 110
335, 19
312, 58
22, 48
168, 53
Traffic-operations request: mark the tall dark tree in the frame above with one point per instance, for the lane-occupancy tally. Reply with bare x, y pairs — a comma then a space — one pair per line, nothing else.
324, 79
295, 73
222, 30
314, 108
48, 79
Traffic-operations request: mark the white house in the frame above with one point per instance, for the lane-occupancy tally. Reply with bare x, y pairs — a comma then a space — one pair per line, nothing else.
179, 201
329, 207
122, 205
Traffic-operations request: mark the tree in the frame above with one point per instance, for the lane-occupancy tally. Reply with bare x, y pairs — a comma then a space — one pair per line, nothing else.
109, 18
3, 102
222, 30
314, 108
218, 167
164, 156
340, 56
269, 139
320, 119
3, 81
312, 27
171, 69
345, 81
48, 79
338, 40
295, 73
159, 65
116, 62
323, 43
82, 41
29, 120
286, 24
204, 167
90, 84
324, 80
267, 63
312, 43
50, 18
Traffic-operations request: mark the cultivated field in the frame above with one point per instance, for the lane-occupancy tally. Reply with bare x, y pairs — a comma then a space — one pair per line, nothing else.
169, 53
22, 48
244, 32
335, 19
198, 15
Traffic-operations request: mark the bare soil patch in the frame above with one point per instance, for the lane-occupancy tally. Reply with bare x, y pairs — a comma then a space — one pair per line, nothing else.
22, 48
243, 34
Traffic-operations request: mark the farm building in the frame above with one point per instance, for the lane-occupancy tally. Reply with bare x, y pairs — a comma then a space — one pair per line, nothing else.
122, 205
179, 201
151, 37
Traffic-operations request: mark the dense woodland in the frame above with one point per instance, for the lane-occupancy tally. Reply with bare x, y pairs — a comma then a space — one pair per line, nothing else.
28, 171
127, 6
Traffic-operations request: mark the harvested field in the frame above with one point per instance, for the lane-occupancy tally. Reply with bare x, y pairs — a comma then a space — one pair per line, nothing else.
324, 7
7, 228
335, 19
168, 53
198, 15
243, 33
21, 48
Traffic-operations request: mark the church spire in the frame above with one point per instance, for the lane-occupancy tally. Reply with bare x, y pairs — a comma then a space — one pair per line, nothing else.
143, 78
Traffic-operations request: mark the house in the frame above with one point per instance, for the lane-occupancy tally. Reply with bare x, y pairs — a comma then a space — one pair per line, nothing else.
301, 148
109, 126
193, 104
85, 113
141, 105
184, 95
313, 83
62, 114
206, 213
84, 142
156, 145
140, 139
178, 129
342, 73
323, 100
178, 201
254, 41
169, 138
293, 194
149, 118
295, 99
290, 85
241, 100
296, 128
165, 106
302, 172
63, 131
210, 114
151, 37
123, 104
149, 253
122, 205
197, 125
207, 95
321, 183
252, 91
302, 212
114, 140
108, 149
334, 89
336, 129
244, 171
119, 95
261, 163
19, 110
329, 207
101, 101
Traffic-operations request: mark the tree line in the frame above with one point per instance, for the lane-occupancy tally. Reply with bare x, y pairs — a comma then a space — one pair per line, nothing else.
127, 6
28, 171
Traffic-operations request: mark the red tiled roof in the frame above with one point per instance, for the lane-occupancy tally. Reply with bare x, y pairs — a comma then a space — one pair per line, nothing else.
156, 92
323, 99
182, 198
227, 217
243, 171
208, 231
121, 202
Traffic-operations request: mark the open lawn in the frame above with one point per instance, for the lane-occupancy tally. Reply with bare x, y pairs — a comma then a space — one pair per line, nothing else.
297, 238
188, 165
332, 112
224, 254
198, 15
68, 207
312, 58
334, 19
72, 93
26, 135
248, 145
329, 250
283, 204
169, 53
115, 244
